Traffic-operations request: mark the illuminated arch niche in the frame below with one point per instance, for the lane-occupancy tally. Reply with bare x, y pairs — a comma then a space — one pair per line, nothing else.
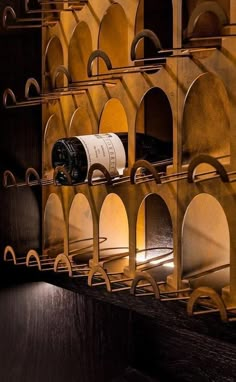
115, 25
53, 59
113, 118
205, 242
206, 125
113, 225
80, 229
154, 233
80, 48
54, 226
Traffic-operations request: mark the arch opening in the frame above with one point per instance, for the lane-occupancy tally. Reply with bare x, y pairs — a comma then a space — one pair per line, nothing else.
54, 227
158, 17
205, 244
114, 24
80, 48
116, 234
53, 131
53, 59
203, 19
154, 238
206, 125
154, 118
81, 241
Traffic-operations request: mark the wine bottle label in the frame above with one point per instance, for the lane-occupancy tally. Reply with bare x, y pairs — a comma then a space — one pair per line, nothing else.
106, 149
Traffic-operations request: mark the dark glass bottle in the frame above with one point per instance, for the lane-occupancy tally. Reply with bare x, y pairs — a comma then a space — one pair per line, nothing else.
77, 154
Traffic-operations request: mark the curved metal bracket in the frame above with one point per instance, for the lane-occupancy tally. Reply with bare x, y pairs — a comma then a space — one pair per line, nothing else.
100, 167
78, 5
40, 9
96, 54
147, 33
33, 254
31, 83
8, 11
27, 8
99, 269
146, 165
9, 250
203, 7
39, 98
23, 23
62, 258
61, 69
213, 295
142, 276
30, 101
31, 171
8, 93
6, 176
204, 158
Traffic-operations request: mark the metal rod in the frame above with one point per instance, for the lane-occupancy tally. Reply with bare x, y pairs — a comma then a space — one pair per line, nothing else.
231, 308
79, 276
47, 11
232, 319
80, 269
72, 5
120, 289
208, 37
128, 70
119, 180
160, 257
98, 284
206, 272
174, 298
46, 98
27, 26
177, 291
150, 266
205, 311
82, 2
120, 280
143, 285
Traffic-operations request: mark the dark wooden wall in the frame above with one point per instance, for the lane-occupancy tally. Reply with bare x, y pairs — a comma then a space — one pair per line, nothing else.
20, 143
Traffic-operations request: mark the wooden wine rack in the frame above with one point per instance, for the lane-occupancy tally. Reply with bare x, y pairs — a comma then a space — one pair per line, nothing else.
166, 69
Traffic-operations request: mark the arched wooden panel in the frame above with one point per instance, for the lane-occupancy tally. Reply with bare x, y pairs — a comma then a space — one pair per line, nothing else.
80, 229
80, 48
205, 243
115, 24
113, 118
116, 233
54, 226
206, 122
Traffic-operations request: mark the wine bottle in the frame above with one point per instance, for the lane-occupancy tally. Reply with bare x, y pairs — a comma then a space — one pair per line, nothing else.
76, 154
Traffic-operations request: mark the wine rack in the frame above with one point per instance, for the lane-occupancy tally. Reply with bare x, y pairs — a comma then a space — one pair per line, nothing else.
165, 69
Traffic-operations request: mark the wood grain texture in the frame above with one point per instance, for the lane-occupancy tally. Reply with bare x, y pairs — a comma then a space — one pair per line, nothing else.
166, 344
20, 143
61, 329
51, 334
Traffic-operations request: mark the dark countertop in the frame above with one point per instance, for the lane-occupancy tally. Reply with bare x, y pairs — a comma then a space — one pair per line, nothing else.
164, 343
